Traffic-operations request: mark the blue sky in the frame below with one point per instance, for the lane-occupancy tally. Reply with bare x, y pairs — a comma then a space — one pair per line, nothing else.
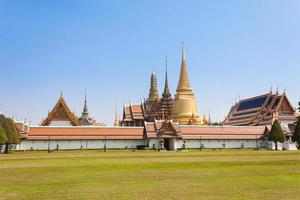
111, 47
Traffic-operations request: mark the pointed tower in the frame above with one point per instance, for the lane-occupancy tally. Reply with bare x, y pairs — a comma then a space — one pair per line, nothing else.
166, 102
85, 119
116, 121
153, 93
184, 107
152, 102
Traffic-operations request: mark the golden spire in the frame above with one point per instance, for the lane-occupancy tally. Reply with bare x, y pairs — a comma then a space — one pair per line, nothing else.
116, 122
184, 107
184, 83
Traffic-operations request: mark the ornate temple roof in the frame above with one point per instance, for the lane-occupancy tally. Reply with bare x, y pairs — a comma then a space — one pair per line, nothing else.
61, 112
261, 110
133, 112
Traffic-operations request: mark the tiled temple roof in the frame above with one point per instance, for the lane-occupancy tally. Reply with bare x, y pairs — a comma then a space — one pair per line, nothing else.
61, 111
84, 133
261, 110
133, 112
208, 132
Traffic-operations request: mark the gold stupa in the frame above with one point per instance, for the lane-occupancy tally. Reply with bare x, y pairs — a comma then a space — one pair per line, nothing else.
184, 107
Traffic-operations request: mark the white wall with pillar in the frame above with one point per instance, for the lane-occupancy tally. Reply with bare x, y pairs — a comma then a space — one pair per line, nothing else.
78, 144
221, 143
121, 144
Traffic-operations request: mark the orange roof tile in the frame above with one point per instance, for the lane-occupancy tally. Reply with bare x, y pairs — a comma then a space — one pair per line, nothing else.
85, 133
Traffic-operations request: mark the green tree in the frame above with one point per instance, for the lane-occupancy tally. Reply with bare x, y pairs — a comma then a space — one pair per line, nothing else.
276, 134
14, 136
3, 137
296, 133
11, 132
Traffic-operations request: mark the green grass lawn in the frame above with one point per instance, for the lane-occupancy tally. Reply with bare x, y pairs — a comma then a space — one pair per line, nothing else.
221, 174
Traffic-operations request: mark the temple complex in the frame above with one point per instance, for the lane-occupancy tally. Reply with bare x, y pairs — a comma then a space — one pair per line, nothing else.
163, 122
181, 109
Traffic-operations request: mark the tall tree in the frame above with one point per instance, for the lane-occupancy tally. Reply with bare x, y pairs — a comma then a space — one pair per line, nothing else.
3, 137
5, 126
296, 133
14, 136
276, 134
11, 132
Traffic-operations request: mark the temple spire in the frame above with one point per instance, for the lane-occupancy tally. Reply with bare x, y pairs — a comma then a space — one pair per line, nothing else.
184, 107
85, 111
85, 119
166, 102
166, 89
184, 83
153, 93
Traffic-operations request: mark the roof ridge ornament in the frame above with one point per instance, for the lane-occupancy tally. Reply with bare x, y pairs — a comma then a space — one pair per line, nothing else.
277, 90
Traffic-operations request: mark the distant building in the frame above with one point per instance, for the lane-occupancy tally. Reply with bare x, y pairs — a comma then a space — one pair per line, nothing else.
61, 115
181, 109
133, 115
262, 110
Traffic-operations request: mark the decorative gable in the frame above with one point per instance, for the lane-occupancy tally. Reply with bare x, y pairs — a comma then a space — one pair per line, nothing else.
61, 113
169, 129
285, 106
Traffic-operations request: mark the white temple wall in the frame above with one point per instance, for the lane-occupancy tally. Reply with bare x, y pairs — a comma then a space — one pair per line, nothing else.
153, 143
287, 145
214, 143
221, 143
78, 144
99, 144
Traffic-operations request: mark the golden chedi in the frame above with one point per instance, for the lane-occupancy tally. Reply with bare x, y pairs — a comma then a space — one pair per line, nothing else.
185, 110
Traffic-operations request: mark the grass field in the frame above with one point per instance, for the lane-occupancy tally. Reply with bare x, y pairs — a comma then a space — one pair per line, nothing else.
221, 174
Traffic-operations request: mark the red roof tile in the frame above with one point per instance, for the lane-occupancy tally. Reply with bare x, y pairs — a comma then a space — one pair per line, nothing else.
85, 133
